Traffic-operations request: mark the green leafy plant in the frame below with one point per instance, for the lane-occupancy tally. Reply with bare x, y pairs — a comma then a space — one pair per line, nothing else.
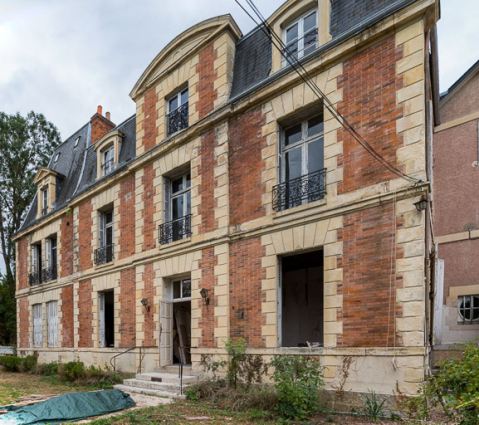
235, 349
372, 407
47, 369
11, 363
72, 371
29, 363
297, 381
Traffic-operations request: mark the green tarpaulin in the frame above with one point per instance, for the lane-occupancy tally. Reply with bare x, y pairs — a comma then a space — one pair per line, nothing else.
67, 408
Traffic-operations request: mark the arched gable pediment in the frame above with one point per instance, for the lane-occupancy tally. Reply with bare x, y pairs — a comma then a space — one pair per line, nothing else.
183, 47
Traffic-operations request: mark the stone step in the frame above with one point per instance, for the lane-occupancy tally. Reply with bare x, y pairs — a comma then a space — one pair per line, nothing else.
146, 391
150, 385
187, 370
166, 378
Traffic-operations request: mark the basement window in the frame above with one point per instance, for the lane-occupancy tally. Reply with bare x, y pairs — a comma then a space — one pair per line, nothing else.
468, 309
301, 305
106, 317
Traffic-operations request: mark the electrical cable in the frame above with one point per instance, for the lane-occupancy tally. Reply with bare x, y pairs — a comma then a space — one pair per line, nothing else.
307, 79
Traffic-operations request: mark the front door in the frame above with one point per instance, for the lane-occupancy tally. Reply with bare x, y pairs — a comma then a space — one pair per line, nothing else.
166, 325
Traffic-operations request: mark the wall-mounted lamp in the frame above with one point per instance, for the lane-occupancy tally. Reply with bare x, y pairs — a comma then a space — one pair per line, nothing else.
421, 204
144, 303
204, 295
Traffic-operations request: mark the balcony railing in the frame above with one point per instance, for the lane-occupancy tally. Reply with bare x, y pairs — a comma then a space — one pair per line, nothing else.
107, 167
48, 274
175, 230
178, 119
35, 278
104, 255
302, 190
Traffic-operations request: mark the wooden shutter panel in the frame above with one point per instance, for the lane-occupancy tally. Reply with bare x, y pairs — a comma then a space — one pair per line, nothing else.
37, 325
101, 230
49, 253
52, 308
167, 198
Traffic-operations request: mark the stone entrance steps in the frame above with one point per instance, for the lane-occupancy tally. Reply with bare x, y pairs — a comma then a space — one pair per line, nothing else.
163, 384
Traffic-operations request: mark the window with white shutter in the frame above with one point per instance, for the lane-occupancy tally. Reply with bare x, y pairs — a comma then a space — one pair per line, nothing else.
37, 325
52, 310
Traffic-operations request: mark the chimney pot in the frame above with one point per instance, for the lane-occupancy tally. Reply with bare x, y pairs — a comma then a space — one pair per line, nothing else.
99, 109
107, 115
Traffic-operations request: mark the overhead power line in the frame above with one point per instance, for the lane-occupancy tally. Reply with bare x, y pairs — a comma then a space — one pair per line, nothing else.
307, 79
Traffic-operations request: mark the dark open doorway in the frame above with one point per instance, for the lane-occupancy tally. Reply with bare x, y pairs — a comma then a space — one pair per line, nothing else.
302, 300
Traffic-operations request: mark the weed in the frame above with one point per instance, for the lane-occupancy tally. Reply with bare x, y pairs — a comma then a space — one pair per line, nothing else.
372, 407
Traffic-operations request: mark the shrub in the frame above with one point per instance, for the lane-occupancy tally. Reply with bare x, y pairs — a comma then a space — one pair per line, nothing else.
72, 371
11, 363
297, 380
29, 364
47, 369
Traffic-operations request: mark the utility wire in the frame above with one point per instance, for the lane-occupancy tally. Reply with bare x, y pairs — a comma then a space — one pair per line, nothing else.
307, 79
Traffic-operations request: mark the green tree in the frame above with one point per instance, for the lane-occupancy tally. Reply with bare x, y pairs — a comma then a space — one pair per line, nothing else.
26, 143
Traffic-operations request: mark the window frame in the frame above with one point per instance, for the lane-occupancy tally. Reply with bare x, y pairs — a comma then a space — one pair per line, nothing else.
300, 38
37, 316
52, 324
178, 96
460, 317
103, 227
181, 193
45, 200
107, 160
181, 298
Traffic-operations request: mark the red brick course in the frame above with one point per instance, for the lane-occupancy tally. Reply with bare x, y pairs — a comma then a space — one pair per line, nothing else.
207, 187
85, 315
126, 210
151, 115
246, 166
85, 235
128, 308
149, 316
368, 238
207, 76
67, 316
148, 208
369, 84
24, 322
246, 295
207, 321
99, 127
22, 263
66, 239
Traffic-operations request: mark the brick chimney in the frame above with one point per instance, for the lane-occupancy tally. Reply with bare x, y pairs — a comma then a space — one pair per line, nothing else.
100, 125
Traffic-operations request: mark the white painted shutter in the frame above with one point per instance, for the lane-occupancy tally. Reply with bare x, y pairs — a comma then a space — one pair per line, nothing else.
101, 230
52, 324
34, 259
37, 326
101, 318
167, 197
166, 328
49, 253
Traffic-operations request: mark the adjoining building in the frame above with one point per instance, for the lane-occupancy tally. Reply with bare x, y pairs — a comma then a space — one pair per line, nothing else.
233, 203
456, 214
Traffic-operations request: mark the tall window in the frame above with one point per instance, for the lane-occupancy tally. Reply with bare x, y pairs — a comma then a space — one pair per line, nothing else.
107, 164
301, 37
104, 254
37, 325
45, 201
52, 316
35, 276
178, 112
302, 165
177, 209
468, 309
50, 273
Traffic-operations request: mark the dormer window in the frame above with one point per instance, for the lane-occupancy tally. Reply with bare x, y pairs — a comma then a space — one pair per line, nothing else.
108, 160
45, 203
178, 112
301, 36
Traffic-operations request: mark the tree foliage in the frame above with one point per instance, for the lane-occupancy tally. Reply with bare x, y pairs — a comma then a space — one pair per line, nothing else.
26, 143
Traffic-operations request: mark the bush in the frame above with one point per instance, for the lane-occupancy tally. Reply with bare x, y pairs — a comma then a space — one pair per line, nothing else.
47, 369
11, 363
29, 364
72, 371
297, 380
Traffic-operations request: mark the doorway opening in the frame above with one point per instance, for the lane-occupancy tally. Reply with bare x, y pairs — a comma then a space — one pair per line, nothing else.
182, 321
301, 300
106, 304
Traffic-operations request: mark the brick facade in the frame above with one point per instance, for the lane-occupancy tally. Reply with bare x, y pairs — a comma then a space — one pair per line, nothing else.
151, 115
85, 235
207, 77
149, 316
127, 308
85, 315
127, 217
369, 83
24, 322
207, 321
246, 294
22, 263
66, 229
68, 338
148, 210
207, 187
99, 126
246, 166
367, 288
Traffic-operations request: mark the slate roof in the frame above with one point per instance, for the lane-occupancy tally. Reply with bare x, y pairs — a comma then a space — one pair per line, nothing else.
253, 51
78, 165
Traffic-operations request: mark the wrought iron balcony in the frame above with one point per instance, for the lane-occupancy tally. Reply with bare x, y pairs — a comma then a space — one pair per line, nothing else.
107, 167
302, 190
104, 255
178, 119
49, 274
35, 278
175, 230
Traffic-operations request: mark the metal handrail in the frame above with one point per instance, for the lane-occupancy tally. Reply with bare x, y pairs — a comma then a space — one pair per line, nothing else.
180, 366
113, 359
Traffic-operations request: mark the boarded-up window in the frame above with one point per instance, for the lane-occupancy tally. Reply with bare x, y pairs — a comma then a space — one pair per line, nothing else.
52, 310
37, 325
